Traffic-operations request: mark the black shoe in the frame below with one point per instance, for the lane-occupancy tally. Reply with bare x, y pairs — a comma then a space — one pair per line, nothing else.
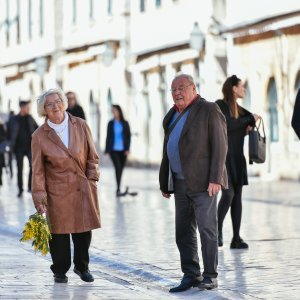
220, 239
120, 194
238, 244
208, 283
60, 278
20, 194
186, 283
85, 276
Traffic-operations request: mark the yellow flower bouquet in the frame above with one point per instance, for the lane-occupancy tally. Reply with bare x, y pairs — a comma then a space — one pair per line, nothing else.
37, 228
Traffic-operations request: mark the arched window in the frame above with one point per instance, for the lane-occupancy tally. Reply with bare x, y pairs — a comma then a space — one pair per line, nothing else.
247, 97
273, 112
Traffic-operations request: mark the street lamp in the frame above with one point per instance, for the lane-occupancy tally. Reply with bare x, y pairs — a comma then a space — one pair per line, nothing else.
41, 66
197, 42
108, 54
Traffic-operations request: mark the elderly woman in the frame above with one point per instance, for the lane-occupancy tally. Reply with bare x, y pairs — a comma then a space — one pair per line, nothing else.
65, 171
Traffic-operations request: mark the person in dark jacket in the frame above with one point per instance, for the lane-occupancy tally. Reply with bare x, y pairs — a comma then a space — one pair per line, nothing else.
8, 136
118, 143
239, 122
73, 107
22, 127
2, 139
296, 115
193, 168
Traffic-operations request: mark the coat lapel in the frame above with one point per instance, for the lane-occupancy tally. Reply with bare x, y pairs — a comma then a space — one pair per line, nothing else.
72, 135
192, 114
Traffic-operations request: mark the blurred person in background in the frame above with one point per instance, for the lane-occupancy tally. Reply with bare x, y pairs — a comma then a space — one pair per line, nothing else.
118, 144
65, 171
73, 107
239, 123
2, 139
296, 115
193, 168
8, 136
21, 129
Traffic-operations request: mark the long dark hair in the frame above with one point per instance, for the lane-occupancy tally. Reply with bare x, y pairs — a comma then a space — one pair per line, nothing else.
230, 82
119, 109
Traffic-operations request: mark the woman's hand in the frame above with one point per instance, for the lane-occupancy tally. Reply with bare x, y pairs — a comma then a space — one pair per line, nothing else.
126, 153
256, 117
41, 208
248, 129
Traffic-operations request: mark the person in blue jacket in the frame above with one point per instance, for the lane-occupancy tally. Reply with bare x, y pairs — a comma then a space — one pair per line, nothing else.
118, 143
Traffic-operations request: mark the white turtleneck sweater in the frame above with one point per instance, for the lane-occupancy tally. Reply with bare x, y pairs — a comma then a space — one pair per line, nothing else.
62, 129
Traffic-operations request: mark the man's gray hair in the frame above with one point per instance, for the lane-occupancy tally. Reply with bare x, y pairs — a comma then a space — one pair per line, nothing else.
41, 100
186, 76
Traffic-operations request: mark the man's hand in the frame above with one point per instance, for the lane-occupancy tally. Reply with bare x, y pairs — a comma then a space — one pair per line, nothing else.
213, 189
166, 195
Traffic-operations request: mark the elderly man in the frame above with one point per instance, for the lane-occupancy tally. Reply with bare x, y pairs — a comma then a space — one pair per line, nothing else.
193, 168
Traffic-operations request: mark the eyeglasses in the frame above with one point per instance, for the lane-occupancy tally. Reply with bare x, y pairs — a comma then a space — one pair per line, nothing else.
51, 105
180, 89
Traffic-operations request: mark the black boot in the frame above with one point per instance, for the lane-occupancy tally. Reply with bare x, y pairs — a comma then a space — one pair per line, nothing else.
238, 244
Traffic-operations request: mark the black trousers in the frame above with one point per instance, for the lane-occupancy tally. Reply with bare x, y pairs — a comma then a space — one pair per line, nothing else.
231, 198
119, 159
60, 250
192, 210
20, 154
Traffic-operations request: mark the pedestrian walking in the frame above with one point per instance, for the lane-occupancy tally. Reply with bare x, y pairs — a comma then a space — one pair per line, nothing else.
118, 144
193, 168
73, 107
8, 137
239, 123
22, 127
296, 115
2, 158
65, 172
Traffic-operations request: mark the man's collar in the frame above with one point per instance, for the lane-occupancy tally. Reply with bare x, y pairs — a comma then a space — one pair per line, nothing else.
177, 109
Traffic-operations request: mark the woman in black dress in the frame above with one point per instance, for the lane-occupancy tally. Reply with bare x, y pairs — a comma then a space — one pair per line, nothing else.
118, 143
239, 122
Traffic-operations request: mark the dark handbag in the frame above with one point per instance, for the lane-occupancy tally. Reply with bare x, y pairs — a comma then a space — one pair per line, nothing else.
257, 144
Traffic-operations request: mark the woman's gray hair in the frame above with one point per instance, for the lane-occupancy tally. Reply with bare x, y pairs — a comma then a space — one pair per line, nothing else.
41, 100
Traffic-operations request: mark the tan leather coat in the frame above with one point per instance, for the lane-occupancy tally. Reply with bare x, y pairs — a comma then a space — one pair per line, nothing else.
66, 178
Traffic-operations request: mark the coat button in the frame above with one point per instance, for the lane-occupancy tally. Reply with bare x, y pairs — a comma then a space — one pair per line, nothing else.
78, 190
75, 172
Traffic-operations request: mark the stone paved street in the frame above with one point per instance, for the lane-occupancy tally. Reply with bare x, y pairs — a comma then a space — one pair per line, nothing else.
134, 255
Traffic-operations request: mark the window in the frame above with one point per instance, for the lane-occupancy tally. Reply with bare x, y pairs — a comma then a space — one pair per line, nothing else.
7, 23
158, 3
18, 21
109, 102
30, 19
273, 113
247, 97
91, 9
41, 29
142, 5
74, 18
109, 7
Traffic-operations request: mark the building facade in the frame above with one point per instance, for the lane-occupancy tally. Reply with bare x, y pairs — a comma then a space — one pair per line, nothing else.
127, 52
